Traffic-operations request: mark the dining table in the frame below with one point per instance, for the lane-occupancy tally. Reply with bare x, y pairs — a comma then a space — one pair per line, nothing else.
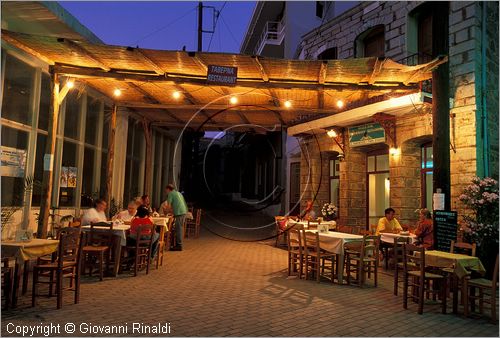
22, 252
388, 237
331, 224
335, 242
458, 264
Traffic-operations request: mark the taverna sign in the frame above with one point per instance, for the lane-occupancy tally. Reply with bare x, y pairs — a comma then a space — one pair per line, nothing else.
223, 75
366, 134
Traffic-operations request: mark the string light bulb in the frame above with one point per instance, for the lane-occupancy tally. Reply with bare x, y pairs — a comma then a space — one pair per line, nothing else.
176, 95
117, 92
288, 104
340, 103
70, 84
233, 100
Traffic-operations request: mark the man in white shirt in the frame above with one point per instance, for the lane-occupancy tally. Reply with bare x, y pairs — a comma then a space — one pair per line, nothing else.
127, 215
97, 214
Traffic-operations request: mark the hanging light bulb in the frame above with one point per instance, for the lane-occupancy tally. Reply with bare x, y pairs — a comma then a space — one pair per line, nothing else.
70, 84
176, 95
331, 133
233, 100
288, 104
117, 92
340, 103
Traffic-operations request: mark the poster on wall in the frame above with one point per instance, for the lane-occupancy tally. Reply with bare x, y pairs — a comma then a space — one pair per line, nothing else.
13, 161
366, 134
68, 177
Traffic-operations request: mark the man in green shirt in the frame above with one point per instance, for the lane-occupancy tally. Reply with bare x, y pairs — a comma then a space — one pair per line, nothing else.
175, 201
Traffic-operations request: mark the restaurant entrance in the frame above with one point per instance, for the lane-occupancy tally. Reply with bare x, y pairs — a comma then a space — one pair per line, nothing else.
378, 185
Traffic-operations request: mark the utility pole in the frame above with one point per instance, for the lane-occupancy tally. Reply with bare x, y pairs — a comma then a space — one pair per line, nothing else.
200, 26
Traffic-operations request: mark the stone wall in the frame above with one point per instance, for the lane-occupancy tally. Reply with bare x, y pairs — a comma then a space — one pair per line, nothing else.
416, 129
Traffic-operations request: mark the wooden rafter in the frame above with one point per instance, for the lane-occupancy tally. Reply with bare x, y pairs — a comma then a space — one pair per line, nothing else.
242, 116
377, 68
321, 98
81, 50
13, 41
440, 60
262, 71
322, 72
198, 61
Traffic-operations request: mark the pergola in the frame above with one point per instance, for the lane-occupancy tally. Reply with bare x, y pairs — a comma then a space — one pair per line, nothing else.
148, 79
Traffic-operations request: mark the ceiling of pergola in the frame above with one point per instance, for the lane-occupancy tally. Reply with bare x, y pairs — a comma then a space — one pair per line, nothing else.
148, 78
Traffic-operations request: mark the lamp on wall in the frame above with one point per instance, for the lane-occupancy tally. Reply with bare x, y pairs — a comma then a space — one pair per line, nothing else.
338, 137
394, 151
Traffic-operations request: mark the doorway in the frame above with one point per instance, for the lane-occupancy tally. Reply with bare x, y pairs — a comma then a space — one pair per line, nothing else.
378, 185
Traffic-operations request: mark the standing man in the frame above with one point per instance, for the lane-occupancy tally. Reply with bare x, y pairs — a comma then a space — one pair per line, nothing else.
176, 203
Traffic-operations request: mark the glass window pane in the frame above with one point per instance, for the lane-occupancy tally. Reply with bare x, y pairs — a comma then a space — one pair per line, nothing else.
88, 173
429, 158
92, 119
382, 162
17, 90
68, 181
46, 93
105, 129
104, 167
40, 152
428, 189
334, 191
378, 195
337, 168
332, 168
15, 142
72, 118
138, 140
422, 156
126, 190
371, 163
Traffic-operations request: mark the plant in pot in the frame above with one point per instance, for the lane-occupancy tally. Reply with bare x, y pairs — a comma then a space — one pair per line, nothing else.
480, 225
329, 212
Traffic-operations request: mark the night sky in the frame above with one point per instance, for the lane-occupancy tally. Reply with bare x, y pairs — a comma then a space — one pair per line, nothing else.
163, 24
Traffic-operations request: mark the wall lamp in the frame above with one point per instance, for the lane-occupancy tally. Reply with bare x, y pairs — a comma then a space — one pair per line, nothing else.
337, 137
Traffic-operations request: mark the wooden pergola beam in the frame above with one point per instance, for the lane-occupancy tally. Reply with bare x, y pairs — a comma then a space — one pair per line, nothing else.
322, 72
321, 98
83, 72
16, 43
150, 62
262, 71
111, 155
377, 68
198, 61
80, 49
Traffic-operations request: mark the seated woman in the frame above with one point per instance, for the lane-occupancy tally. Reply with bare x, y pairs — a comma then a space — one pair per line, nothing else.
308, 214
142, 218
96, 214
127, 215
425, 230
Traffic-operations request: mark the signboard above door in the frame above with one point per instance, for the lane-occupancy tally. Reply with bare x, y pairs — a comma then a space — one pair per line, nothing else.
366, 134
223, 75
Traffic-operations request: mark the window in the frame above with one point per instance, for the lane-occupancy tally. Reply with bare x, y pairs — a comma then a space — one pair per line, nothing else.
371, 42
44, 112
68, 177
15, 142
425, 37
334, 181
328, 54
17, 90
41, 141
320, 6
427, 176
72, 114
378, 185
134, 162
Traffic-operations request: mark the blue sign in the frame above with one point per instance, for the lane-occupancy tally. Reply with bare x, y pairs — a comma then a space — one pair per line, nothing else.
366, 134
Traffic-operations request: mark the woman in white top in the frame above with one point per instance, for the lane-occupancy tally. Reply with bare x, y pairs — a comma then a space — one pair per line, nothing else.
127, 215
97, 214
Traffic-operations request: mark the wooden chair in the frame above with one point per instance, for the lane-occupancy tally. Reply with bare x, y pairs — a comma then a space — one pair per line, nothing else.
463, 248
316, 259
486, 288
345, 229
7, 281
97, 248
312, 225
192, 226
168, 237
418, 278
280, 230
295, 247
399, 242
66, 265
365, 261
140, 253
161, 246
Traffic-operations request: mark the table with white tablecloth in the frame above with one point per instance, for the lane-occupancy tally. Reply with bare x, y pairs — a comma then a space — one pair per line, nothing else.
388, 237
331, 224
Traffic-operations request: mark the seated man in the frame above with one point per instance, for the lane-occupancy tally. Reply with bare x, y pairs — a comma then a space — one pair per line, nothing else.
425, 228
127, 215
388, 223
96, 214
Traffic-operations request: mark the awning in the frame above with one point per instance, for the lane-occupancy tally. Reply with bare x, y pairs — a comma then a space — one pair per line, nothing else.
147, 79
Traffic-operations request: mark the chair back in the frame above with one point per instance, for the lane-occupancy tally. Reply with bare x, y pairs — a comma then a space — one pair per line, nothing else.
370, 246
414, 258
143, 240
295, 237
463, 248
70, 245
75, 224
399, 242
198, 217
100, 234
373, 229
170, 223
311, 243
312, 225
346, 229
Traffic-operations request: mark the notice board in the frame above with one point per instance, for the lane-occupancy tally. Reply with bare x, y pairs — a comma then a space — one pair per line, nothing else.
445, 227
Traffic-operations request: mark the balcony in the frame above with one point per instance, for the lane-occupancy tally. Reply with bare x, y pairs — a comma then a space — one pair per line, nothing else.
272, 34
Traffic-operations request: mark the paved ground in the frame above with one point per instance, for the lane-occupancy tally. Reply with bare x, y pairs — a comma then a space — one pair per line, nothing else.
218, 287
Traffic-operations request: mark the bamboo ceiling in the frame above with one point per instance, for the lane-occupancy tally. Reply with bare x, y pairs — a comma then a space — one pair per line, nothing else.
147, 79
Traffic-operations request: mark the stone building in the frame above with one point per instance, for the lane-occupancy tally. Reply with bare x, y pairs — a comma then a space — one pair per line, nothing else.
368, 177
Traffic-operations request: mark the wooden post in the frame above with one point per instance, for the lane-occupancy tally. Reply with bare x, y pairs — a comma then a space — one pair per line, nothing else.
148, 172
111, 156
48, 173
441, 104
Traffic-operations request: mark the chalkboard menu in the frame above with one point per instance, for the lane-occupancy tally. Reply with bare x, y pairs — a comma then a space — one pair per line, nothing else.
445, 229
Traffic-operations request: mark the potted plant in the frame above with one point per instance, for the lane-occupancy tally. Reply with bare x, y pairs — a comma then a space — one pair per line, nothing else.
329, 211
481, 224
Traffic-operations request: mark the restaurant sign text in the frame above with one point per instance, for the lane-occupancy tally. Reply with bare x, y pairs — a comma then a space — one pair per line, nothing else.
366, 134
224, 75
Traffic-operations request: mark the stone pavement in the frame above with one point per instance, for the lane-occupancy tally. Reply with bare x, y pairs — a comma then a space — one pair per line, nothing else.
219, 287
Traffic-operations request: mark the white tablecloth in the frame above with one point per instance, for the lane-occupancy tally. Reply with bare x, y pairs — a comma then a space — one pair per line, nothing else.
118, 230
389, 237
331, 224
161, 221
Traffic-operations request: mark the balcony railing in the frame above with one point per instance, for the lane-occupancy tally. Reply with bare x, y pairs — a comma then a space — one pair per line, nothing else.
272, 34
416, 59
